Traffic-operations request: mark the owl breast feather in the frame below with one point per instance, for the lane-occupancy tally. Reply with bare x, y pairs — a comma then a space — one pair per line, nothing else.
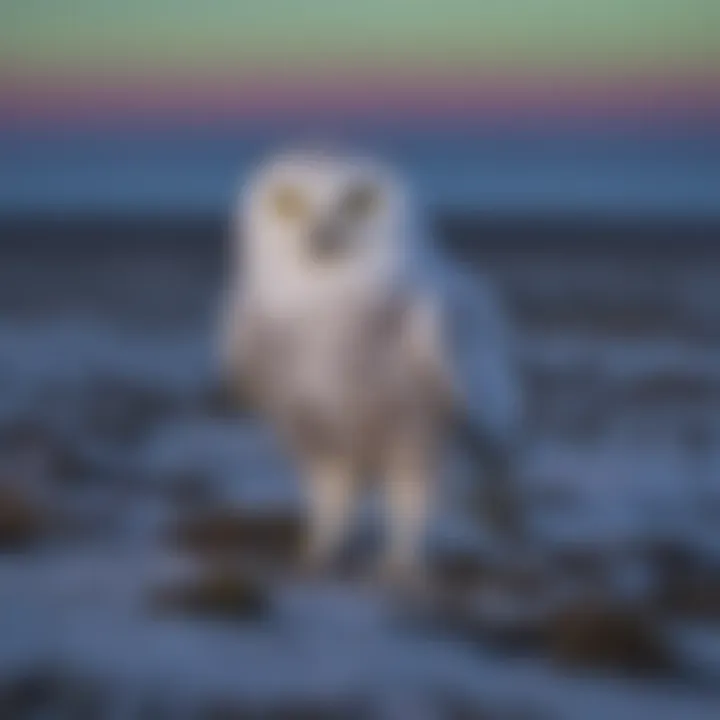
346, 384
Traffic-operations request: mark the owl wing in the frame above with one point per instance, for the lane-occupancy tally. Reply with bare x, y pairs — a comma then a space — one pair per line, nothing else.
486, 389
480, 351
237, 343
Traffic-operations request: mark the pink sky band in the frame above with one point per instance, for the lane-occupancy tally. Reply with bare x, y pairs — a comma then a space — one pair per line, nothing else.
181, 100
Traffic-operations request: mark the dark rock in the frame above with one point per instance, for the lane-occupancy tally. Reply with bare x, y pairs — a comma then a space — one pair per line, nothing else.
302, 709
585, 565
459, 571
608, 637
218, 592
224, 400
672, 386
30, 695
29, 441
121, 411
22, 523
467, 572
454, 707
48, 692
269, 535
697, 598
688, 582
522, 635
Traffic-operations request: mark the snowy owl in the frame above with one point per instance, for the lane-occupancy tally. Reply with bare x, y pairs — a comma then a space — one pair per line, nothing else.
362, 346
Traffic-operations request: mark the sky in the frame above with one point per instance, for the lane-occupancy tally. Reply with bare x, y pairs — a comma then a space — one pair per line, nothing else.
103, 58
489, 104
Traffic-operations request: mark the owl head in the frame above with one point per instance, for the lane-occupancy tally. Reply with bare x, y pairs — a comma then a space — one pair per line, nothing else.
314, 223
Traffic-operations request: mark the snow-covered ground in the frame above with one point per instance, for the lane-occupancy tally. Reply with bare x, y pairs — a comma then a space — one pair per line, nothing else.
110, 438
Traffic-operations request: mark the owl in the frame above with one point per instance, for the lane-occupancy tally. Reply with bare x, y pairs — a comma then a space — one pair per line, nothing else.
364, 348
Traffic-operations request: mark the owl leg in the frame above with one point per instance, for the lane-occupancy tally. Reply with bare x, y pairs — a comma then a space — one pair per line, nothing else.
408, 498
331, 494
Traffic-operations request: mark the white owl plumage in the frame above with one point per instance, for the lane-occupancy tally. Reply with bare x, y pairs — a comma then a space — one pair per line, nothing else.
360, 341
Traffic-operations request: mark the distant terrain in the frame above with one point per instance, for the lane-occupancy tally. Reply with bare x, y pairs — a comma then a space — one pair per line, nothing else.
148, 536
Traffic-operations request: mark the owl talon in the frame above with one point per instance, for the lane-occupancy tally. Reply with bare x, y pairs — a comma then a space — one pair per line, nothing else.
403, 576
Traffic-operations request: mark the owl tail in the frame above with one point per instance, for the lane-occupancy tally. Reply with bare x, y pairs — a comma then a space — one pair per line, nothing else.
498, 498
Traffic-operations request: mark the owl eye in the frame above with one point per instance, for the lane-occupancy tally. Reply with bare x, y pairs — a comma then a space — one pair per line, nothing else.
361, 202
289, 203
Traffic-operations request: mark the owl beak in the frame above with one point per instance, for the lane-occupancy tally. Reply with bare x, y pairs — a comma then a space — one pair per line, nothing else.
327, 241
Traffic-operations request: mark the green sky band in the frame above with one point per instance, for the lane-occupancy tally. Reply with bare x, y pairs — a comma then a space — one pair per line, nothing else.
236, 37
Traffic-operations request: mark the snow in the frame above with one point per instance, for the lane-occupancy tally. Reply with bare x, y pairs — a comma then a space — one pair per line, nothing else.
83, 605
